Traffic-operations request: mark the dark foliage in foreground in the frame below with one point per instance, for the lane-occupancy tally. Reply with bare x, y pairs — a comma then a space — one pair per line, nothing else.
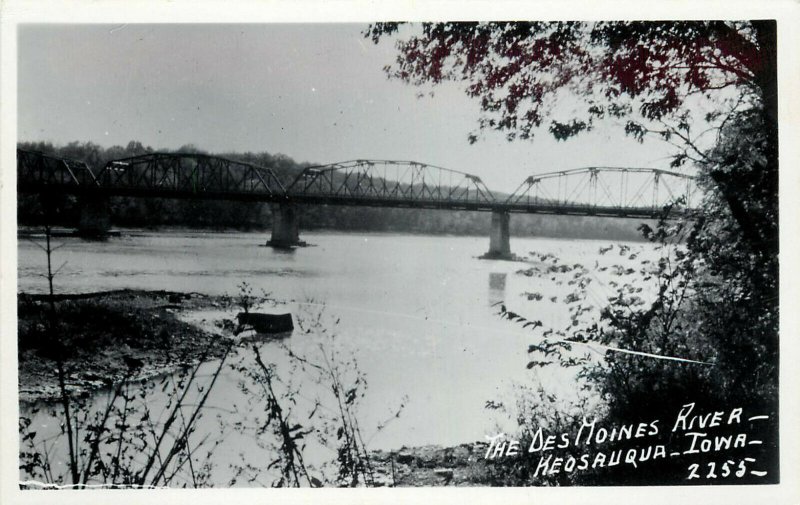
717, 296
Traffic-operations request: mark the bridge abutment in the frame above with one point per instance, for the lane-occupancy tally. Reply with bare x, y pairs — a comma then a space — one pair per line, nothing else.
285, 226
499, 237
95, 217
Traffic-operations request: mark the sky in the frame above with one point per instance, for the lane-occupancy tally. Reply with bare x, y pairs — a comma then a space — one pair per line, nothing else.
314, 92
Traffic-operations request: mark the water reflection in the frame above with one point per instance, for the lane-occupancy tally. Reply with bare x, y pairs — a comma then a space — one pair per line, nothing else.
286, 252
497, 287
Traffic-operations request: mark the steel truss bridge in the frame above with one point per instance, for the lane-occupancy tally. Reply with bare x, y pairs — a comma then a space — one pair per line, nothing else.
602, 191
590, 191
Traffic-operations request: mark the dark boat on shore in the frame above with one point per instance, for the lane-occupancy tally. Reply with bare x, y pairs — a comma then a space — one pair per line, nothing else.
265, 323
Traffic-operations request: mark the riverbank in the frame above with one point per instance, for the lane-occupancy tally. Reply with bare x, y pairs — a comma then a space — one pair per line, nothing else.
104, 337
433, 465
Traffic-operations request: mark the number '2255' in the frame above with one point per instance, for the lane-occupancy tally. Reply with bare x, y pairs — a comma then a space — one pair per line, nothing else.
724, 470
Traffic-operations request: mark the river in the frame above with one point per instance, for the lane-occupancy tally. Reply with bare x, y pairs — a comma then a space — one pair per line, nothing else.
418, 313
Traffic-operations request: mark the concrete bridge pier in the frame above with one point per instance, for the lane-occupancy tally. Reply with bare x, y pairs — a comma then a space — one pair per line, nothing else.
285, 226
95, 216
499, 239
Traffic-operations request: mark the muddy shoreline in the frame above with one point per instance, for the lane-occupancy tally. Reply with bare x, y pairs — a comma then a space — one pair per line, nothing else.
102, 333
433, 465
104, 337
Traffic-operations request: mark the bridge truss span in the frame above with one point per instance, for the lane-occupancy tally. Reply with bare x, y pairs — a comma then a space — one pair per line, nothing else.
391, 184
604, 191
39, 172
590, 191
181, 175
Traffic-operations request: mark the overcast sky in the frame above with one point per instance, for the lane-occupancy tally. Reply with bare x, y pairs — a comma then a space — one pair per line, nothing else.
316, 93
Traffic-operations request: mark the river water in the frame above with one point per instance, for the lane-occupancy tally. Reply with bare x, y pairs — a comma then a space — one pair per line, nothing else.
418, 313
